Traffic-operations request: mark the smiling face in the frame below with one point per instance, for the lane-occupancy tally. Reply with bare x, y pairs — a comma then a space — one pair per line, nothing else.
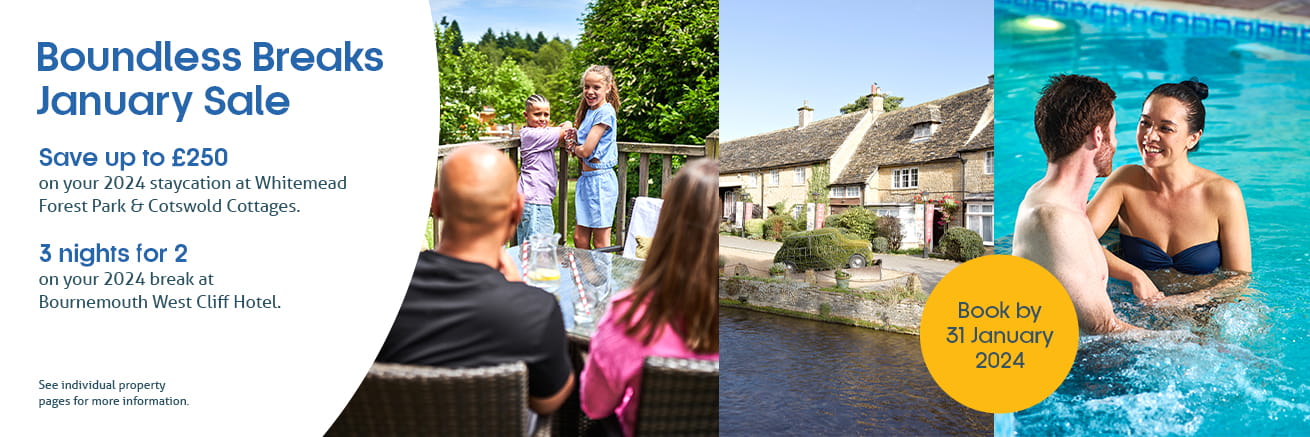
538, 115
1163, 135
594, 89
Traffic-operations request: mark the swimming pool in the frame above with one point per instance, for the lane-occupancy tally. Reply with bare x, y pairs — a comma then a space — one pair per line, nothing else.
1248, 371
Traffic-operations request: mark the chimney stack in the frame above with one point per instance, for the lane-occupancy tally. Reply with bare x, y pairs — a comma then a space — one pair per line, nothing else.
806, 113
875, 99
991, 80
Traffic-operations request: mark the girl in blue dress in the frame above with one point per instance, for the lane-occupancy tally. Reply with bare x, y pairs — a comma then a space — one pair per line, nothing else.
598, 187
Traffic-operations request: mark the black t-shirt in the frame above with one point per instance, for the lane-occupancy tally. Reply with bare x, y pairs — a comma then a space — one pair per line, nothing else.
462, 314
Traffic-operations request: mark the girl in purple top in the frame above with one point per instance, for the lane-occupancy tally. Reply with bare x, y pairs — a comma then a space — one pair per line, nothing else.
673, 308
538, 179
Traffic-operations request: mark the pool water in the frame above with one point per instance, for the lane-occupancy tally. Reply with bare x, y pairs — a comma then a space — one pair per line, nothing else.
1245, 370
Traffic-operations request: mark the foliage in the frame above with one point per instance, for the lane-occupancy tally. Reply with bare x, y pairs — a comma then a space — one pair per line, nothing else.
775, 225
777, 269
819, 175
889, 103
913, 251
499, 72
665, 58
947, 205
825, 309
841, 274
821, 249
461, 74
755, 228
858, 221
510, 88
889, 227
880, 244
961, 244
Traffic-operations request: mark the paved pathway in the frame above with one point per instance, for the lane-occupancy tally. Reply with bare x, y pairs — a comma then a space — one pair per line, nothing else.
758, 255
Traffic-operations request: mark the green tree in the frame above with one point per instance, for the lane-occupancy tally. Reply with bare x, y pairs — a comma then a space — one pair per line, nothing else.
456, 39
510, 87
461, 76
889, 103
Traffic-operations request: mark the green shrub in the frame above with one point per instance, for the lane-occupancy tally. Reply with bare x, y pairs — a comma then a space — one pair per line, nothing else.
880, 244
825, 309
777, 224
858, 221
889, 227
777, 269
961, 244
755, 228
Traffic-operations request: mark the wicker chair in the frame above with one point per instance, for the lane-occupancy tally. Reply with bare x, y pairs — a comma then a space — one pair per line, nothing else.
679, 397
401, 399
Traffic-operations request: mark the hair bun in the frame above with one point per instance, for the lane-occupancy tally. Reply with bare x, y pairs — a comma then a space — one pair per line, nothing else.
1202, 91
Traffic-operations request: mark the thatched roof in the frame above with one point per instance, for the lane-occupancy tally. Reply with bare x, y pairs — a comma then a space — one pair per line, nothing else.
887, 143
789, 146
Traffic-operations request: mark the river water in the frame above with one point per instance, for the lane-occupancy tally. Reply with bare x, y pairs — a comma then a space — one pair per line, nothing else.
786, 376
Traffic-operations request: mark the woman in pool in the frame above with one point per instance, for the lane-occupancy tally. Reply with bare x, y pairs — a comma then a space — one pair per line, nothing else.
1172, 214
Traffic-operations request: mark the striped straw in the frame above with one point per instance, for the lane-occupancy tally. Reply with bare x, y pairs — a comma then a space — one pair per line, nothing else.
577, 281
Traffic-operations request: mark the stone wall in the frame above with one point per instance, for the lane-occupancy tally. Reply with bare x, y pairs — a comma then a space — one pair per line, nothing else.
809, 300
974, 167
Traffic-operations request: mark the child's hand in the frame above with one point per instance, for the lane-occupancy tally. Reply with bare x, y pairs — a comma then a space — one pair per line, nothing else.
570, 139
566, 125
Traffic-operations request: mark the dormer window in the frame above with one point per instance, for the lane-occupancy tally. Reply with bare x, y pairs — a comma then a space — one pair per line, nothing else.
925, 123
923, 131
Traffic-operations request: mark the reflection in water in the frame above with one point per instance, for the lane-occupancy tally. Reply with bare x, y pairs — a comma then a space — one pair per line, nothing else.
786, 376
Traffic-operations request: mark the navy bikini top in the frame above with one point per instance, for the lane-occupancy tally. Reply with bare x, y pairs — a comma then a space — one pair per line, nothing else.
1196, 260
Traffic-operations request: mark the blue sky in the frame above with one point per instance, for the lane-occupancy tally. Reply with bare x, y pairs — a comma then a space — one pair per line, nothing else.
558, 17
776, 54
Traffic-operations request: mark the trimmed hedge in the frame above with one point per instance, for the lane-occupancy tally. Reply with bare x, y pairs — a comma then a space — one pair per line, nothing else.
880, 244
961, 244
755, 228
858, 221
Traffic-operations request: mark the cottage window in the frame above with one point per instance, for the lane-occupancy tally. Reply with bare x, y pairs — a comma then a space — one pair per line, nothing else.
751, 181
988, 163
979, 219
905, 178
798, 176
923, 131
853, 191
774, 177
836, 192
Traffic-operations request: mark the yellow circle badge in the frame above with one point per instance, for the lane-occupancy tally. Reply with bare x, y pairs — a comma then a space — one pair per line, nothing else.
999, 334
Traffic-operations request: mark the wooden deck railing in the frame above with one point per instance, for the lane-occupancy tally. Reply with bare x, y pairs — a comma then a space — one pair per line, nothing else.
664, 152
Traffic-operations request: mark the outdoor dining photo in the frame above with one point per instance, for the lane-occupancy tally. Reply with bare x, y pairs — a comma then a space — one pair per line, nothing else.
567, 283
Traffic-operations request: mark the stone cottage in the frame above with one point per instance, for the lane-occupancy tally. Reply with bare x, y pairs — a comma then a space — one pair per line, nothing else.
888, 162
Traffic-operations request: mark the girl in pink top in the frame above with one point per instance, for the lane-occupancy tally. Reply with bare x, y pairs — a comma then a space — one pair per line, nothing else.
672, 310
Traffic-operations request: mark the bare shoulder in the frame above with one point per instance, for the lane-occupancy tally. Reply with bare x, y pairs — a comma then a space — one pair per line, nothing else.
1126, 175
1045, 228
1221, 191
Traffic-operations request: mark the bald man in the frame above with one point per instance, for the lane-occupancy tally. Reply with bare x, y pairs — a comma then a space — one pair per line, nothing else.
467, 305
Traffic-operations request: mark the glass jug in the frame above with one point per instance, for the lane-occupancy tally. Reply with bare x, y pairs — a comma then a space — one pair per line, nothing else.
541, 269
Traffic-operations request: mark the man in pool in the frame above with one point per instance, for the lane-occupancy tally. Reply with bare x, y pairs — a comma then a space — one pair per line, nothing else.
1075, 124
